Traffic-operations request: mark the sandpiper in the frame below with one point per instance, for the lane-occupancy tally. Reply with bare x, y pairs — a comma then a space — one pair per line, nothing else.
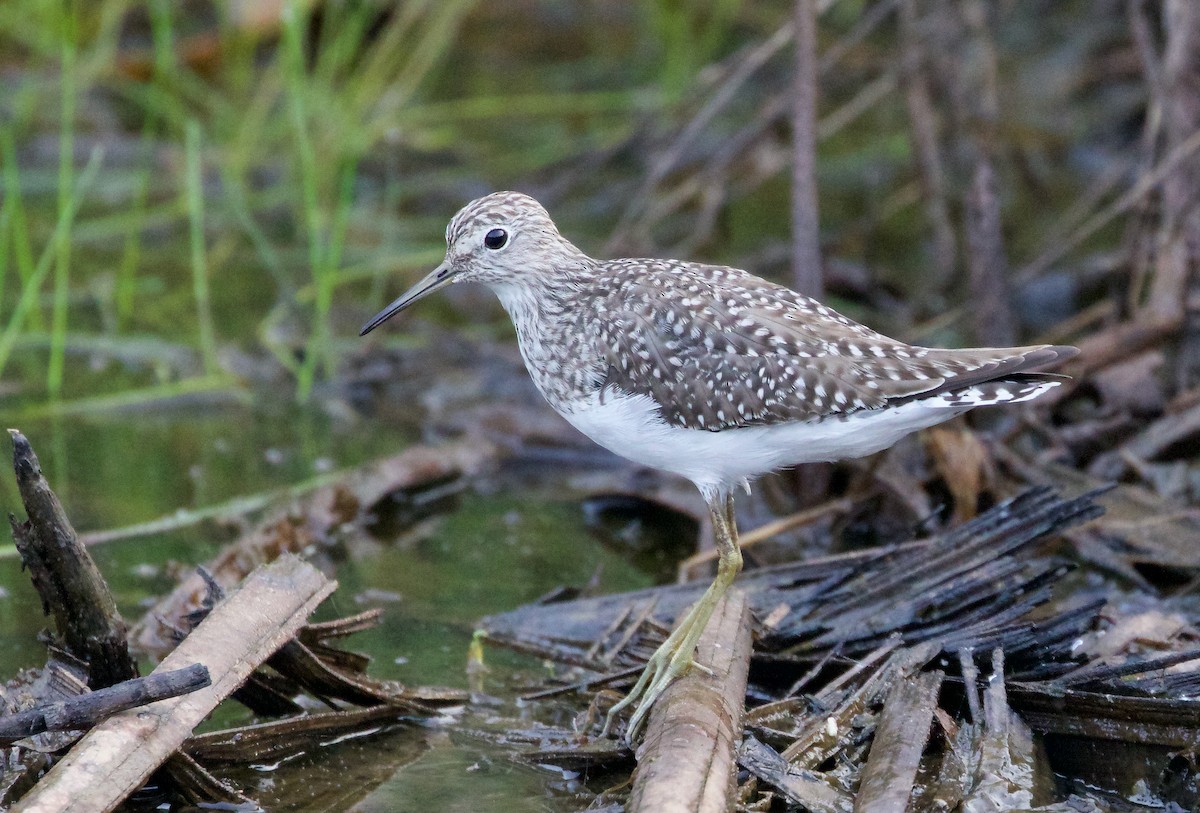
708, 372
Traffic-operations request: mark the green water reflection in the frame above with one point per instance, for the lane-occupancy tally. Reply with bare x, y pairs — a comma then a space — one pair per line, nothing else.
500, 547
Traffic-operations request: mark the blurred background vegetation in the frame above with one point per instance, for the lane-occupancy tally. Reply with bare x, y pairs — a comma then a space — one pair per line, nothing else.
201, 202
183, 182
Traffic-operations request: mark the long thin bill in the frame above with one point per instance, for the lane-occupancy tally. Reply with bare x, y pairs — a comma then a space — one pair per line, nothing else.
435, 279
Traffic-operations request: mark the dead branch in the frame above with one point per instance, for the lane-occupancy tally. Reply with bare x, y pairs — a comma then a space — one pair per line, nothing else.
923, 122
987, 259
687, 760
1179, 236
86, 710
354, 498
66, 577
115, 758
1149, 443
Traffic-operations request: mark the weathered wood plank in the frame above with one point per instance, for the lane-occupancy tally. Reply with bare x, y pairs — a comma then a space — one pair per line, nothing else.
115, 758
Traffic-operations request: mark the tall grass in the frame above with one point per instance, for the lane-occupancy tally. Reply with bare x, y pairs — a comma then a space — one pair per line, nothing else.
321, 263
131, 251
31, 286
258, 162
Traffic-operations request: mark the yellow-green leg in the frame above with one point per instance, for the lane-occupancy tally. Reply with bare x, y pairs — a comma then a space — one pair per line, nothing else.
674, 656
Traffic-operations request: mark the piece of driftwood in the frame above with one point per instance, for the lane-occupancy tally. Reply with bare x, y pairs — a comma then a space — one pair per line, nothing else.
276, 740
887, 779
408, 483
1166, 721
115, 758
86, 710
310, 664
65, 576
193, 783
686, 764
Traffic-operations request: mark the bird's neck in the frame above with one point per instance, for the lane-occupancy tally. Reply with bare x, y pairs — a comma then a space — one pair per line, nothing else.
557, 355
544, 296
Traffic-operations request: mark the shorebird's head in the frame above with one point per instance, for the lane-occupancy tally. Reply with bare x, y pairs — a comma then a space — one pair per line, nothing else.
504, 239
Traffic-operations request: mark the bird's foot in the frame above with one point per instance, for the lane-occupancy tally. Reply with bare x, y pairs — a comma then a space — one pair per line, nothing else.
673, 658
668, 662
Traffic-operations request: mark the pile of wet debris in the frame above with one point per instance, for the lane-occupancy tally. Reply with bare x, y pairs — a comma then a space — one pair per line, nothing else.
86, 732
1040, 655
972, 620
977, 669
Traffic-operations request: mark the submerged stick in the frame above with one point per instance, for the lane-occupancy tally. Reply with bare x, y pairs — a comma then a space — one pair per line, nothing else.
66, 577
687, 763
88, 709
115, 758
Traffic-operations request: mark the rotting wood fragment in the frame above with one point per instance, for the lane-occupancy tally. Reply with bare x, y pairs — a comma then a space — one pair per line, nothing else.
799, 786
887, 778
1173, 722
822, 735
1004, 773
195, 784
564, 750
66, 577
279, 739
686, 763
115, 758
87, 709
301, 665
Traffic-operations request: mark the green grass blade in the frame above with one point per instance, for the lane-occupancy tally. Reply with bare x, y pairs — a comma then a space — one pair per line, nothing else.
31, 286
194, 190
5, 239
14, 199
126, 284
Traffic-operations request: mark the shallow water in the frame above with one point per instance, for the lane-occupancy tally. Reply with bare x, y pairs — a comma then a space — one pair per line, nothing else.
501, 546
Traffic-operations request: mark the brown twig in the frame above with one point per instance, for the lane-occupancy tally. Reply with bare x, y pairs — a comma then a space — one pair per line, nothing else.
987, 258
993, 320
86, 710
923, 123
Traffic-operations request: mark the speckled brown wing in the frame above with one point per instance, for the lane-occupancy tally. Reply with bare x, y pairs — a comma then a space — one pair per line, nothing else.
718, 348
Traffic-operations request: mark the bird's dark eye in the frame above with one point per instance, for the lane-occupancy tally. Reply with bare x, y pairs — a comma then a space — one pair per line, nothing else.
496, 238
